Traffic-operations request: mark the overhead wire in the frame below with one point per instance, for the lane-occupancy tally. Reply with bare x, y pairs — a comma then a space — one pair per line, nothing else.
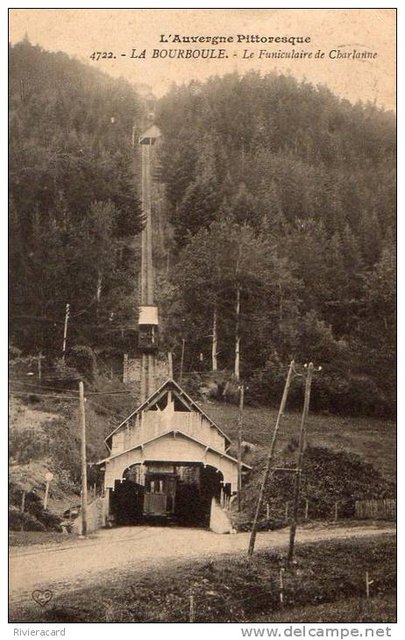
89, 393
107, 393
42, 386
44, 395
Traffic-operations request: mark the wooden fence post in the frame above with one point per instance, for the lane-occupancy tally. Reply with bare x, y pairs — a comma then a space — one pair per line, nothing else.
368, 583
22, 509
192, 609
281, 594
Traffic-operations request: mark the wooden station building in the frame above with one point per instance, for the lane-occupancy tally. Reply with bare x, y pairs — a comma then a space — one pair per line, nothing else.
168, 461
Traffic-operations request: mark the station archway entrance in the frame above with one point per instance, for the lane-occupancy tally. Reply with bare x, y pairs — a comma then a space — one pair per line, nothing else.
179, 495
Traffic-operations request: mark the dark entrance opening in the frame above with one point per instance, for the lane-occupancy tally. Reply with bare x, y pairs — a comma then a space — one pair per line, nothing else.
127, 502
196, 486
182, 497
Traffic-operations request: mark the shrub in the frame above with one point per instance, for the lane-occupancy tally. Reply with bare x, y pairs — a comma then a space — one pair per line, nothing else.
23, 521
327, 477
60, 373
83, 359
21, 366
13, 352
27, 445
64, 447
332, 391
266, 385
34, 517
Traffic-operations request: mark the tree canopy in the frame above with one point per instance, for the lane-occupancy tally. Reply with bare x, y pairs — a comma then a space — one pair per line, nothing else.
274, 231
74, 208
311, 178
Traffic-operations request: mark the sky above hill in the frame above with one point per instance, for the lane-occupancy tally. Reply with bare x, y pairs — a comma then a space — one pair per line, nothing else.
352, 51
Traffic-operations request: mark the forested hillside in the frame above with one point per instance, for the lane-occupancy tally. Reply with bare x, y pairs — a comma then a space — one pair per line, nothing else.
282, 199
74, 208
279, 222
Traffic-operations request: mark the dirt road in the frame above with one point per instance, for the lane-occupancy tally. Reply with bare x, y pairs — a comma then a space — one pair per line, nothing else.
111, 554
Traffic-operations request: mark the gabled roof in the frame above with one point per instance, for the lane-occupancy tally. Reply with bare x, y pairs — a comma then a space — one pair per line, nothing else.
222, 454
156, 395
151, 133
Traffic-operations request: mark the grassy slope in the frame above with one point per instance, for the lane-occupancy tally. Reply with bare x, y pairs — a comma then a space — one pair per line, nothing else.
38, 416
376, 609
374, 439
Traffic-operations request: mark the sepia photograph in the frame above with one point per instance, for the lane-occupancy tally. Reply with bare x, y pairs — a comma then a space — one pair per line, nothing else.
202, 318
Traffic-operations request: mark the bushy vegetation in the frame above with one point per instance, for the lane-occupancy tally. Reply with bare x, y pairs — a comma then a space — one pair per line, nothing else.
54, 439
374, 609
34, 517
328, 477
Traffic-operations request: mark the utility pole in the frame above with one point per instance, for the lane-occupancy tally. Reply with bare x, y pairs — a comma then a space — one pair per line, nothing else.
183, 342
240, 425
83, 459
237, 334
270, 459
67, 314
298, 473
214, 344
170, 363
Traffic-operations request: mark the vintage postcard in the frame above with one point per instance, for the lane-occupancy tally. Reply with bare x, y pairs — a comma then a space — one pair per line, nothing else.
202, 343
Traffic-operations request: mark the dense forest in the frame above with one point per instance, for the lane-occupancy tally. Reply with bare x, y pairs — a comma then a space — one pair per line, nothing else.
74, 209
279, 225
282, 201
